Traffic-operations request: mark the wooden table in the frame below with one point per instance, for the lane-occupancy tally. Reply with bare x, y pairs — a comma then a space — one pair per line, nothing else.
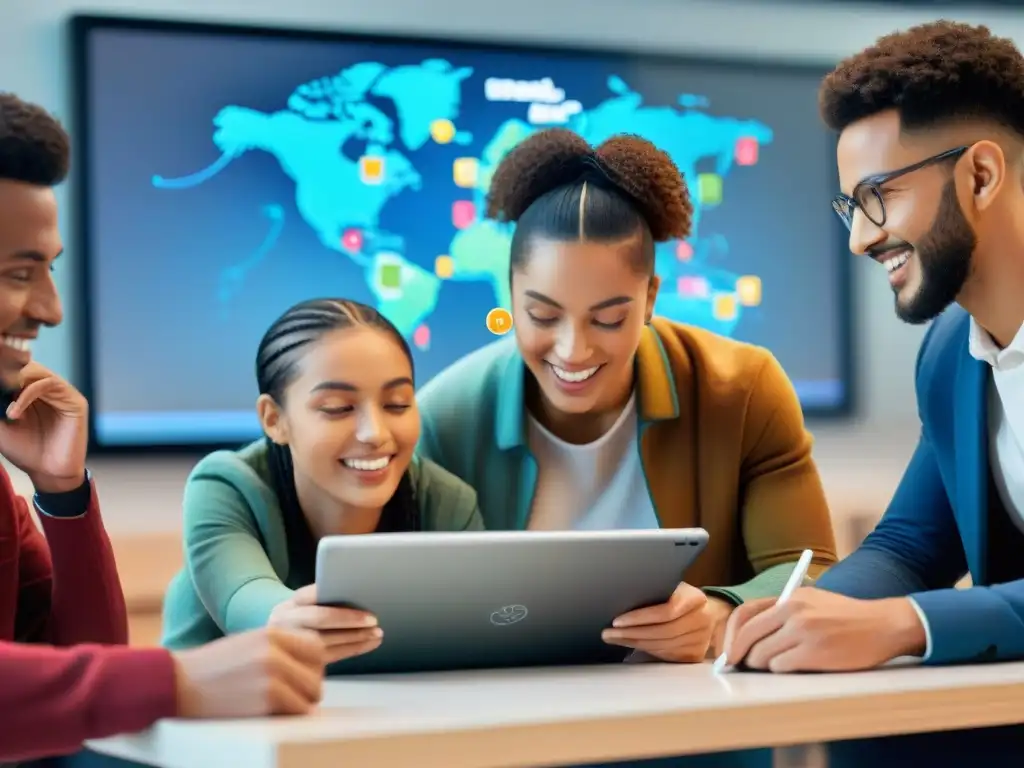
566, 716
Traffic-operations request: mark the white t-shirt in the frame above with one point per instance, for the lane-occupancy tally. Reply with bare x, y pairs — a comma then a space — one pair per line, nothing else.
596, 486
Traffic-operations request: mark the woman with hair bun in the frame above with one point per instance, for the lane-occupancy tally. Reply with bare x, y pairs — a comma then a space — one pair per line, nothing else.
599, 415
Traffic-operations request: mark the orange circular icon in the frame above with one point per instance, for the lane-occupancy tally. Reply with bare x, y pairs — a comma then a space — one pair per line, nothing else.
499, 321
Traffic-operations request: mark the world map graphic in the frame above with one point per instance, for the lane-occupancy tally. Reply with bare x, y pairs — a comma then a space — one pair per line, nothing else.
348, 158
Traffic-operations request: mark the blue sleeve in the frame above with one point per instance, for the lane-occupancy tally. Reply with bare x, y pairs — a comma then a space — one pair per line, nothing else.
916, 546
974, 625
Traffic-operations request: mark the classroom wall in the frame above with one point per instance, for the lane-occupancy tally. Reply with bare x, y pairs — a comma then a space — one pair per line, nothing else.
861, 460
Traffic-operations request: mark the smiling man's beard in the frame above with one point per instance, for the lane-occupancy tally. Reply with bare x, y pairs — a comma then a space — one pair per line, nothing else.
944, 258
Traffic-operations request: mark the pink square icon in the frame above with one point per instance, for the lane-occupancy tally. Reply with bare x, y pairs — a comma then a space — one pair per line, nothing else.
684, 251
746, 151
693, 287
463, 214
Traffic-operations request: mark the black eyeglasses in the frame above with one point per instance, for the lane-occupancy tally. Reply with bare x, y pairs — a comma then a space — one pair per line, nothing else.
867, 195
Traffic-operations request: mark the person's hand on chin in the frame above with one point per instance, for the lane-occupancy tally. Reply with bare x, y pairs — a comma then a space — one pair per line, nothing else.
46, 435
680, 630
819, 631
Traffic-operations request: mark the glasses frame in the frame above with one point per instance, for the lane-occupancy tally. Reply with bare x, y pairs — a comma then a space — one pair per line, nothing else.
846, 205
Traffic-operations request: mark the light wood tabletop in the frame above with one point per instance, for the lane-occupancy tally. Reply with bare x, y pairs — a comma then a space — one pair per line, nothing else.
566, 716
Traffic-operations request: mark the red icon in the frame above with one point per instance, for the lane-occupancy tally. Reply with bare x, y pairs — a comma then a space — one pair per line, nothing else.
463, 214
352, 240
746, 151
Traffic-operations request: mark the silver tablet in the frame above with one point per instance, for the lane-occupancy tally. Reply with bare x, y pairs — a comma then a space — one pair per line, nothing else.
499, 598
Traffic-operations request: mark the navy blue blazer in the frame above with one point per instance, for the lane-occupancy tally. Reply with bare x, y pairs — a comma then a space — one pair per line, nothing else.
935, 529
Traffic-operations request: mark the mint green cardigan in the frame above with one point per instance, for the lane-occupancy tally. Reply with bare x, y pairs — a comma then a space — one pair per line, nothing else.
236, 556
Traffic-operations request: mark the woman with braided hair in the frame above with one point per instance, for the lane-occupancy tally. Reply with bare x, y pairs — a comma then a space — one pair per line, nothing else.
338, 410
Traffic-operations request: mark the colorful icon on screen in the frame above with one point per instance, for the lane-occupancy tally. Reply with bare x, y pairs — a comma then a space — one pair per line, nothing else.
684, 251
499, 321
421, 337
371, 169
465, 171
352, 240
748, 290
442, 131
391, 276
463, 214
693, 287
709, 188
388, 276
746, 151
724, 306
444, 267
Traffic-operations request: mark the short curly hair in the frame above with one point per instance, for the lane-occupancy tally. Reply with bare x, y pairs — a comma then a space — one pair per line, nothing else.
34, 148
632, 188
930, 73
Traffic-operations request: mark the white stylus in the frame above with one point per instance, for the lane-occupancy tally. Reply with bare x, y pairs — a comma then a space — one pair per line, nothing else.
796, 578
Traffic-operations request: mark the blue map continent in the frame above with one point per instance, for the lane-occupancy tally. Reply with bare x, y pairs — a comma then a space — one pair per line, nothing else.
347, 159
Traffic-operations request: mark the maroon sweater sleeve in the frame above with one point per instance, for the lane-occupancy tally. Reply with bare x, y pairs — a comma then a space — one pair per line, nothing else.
53, 699
69, 589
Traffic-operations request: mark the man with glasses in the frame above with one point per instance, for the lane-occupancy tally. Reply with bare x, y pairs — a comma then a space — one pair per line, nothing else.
931, 165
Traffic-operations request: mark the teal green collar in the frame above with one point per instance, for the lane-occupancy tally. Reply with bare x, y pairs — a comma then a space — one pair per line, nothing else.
655, 387
510, 415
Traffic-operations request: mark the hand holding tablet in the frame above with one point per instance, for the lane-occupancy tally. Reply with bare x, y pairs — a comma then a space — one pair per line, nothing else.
346, 632
678, 630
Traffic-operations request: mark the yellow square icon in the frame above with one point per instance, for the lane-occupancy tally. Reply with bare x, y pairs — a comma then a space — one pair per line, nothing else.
371, 169
724, 306
444, 267
465, 171
748, 288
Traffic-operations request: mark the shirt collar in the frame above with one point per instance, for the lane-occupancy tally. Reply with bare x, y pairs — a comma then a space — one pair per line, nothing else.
982, 347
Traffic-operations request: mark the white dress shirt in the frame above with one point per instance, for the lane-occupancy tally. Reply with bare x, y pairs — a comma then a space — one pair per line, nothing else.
1005, 417
1005, 427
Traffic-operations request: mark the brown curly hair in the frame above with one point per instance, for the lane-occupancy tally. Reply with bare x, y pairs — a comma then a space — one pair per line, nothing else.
633, 188
34, 148
930, 73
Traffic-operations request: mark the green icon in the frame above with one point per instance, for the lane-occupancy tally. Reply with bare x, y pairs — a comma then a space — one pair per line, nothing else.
391, 275
709, 188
